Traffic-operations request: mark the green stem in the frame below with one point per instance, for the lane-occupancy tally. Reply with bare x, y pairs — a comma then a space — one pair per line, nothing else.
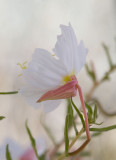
12, 92
75, 139
72, 143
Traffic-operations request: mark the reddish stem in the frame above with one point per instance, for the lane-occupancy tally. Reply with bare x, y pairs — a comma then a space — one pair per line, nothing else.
84, 112
80, 148
86, 124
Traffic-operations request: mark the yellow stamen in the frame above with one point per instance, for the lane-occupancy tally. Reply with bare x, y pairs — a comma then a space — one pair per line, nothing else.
67, 78
23, 66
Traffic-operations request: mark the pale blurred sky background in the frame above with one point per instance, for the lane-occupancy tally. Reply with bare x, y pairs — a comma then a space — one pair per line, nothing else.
29, 24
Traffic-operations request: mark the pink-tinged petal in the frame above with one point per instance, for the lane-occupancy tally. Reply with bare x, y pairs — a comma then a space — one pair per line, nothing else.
65, 91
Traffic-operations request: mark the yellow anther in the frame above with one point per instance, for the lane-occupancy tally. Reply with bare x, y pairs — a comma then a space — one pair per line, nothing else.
67, 78
23, 66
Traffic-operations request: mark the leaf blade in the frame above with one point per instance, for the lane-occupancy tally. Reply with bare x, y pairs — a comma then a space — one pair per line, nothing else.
33, 142
2, 117
79, 113
8, 155
104, 129
66, 138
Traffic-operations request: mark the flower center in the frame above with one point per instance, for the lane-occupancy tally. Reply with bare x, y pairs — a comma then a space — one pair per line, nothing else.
68, 78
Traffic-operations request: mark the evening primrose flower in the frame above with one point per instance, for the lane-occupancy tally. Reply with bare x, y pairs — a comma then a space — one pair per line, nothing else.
29, 154
18, 153
15, 149
52, 78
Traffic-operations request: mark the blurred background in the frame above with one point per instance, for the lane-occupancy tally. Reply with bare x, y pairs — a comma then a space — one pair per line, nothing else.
29, 24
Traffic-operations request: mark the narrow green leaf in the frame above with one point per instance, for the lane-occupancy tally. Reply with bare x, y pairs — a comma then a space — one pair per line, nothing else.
90, 73
71, 120
98, 123
2, 117
79, 113
66, 134
89, 113
69, 111
12, 92
106, 49
95, 114
33, 142
103, 129
8, 155
89, 108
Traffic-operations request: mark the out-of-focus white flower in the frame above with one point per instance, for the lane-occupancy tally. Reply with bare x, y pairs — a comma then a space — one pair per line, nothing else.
29, 153
50, 78
15, 149
18, 153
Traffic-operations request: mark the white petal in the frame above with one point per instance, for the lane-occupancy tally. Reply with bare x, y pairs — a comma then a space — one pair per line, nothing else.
31, 94
44, 71
67, 49
50, 105
80, 58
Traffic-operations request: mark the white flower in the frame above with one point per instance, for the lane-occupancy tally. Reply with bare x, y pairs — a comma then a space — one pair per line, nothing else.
17, 152
50, 79
29, 154
14, 148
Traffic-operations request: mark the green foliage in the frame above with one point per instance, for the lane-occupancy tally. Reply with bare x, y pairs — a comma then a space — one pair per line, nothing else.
66, 138
12, 92
104, 129
2, 117
106, 76
106, 49
79, 113
70, 112
90, 73
95, 114
89, 113
42, 157
92, 114
8, 155
33, 142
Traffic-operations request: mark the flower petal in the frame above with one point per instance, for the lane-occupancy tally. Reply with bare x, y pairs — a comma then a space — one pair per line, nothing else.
68, 50
50, 105
44, 71
31, 94
65, 91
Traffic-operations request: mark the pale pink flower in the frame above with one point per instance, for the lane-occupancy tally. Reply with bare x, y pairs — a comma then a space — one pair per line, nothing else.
18, 153
29, 153
15, 149
52, 78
